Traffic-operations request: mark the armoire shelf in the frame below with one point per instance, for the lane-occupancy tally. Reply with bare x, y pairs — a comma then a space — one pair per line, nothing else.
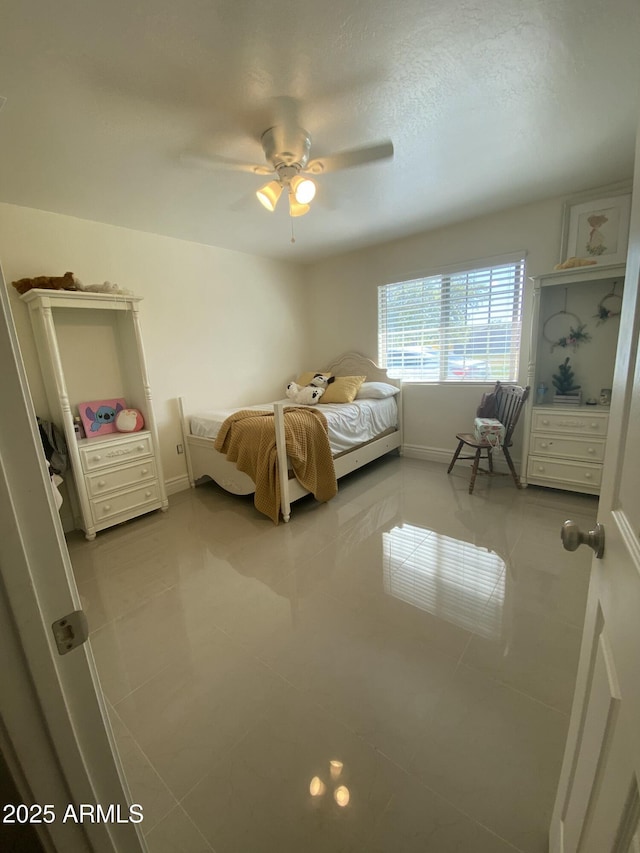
90, 348
564, 445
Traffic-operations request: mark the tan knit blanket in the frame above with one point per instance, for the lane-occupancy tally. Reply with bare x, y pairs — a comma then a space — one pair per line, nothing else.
248, 438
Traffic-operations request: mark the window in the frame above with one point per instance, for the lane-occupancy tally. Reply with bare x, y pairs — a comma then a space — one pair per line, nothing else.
457, 326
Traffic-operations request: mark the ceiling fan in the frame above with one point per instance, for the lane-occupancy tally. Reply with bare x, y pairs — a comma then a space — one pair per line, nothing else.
287, 150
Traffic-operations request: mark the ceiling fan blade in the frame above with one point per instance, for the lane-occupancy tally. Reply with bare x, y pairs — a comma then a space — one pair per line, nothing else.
216, 161
347, 159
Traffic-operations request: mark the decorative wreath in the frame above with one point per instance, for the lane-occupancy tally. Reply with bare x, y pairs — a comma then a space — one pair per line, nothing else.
605, 312
573, 338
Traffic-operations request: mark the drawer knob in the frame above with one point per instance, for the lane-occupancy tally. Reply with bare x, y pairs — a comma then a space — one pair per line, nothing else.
145, 471
590, 450
593, 426
147, 494
545, 421
140, 447
97, 458
102, 483
588, 475
540, 467
543, 444
106, 507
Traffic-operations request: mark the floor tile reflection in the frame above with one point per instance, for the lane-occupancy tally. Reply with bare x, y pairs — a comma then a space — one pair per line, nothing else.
422, 639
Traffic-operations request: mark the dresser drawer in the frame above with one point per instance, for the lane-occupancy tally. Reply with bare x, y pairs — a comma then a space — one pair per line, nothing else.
112, 479
108, 453
556, 471
568, 448
571, 422
126, 502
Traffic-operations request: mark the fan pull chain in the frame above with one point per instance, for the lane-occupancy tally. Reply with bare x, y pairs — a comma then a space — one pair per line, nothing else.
293, 239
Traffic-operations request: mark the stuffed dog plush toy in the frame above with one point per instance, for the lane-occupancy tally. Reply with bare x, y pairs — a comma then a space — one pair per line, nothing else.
306, 394
309, 394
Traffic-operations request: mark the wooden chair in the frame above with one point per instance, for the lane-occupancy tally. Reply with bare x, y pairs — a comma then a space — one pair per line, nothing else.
510, 402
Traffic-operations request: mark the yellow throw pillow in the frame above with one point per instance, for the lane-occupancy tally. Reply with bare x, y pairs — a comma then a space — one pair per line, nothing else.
305, 378
343, 390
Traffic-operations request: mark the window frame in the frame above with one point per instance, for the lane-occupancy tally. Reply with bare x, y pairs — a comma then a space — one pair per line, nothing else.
445, 329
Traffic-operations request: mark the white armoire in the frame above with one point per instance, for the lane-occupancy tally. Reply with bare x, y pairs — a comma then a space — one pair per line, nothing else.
564, 445
90, 348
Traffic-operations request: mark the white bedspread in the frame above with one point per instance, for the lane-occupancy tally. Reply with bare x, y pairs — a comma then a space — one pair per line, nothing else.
349, 424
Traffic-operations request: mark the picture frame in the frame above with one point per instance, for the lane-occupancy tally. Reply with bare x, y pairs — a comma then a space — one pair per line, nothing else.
595, 226
99, 416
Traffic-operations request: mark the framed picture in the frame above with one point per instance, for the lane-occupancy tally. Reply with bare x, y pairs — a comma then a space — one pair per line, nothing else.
597, 228
99, 416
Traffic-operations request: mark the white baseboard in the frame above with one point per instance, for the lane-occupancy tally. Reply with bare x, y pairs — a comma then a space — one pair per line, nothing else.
437, 454
430, 454
177, 484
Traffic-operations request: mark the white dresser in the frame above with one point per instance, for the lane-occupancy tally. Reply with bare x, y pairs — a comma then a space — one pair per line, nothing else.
90, 348
120, 477
566, 447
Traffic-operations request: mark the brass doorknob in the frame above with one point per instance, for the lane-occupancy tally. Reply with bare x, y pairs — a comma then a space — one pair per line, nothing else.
572, 537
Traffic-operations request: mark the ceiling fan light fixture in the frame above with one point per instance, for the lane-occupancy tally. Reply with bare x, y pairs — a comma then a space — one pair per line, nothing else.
304, 189
295, 208
269, 194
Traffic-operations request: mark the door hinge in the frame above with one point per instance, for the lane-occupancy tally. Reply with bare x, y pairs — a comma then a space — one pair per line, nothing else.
70, 631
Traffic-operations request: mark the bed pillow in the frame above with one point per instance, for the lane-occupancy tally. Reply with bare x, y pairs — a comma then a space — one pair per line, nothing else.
376, 391
343, 390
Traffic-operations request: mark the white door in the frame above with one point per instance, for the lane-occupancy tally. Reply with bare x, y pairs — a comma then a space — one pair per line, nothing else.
55, 733
597, 808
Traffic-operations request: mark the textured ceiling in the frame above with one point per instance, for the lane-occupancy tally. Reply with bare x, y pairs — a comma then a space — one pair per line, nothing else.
489, 104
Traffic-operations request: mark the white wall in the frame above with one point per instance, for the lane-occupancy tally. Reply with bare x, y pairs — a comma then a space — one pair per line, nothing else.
344, 297
224, 328
220, 327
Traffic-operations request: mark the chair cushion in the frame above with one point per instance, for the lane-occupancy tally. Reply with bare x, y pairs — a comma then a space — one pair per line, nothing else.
488, 407
490, 430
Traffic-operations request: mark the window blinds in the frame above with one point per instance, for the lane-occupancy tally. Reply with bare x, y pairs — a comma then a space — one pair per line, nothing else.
462, 325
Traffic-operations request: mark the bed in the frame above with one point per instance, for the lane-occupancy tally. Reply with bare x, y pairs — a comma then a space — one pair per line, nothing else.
359, 432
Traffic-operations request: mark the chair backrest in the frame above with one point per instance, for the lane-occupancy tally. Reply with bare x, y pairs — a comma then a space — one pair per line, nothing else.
510, 402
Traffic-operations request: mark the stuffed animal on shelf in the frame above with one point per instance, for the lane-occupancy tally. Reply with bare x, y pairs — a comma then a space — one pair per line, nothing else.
309, 394
571, 263
129, 420
105, 287
68, 281
104, 415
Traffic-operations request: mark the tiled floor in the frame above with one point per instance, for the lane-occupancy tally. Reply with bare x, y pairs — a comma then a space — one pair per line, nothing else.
391, 672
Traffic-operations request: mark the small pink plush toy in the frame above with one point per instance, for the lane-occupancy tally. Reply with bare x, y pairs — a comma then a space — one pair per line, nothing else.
129, 420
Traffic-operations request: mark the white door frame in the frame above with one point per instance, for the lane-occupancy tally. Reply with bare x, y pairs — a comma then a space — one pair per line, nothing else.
55, 731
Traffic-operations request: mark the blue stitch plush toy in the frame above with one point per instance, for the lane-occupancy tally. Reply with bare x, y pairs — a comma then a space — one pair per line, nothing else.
103, 415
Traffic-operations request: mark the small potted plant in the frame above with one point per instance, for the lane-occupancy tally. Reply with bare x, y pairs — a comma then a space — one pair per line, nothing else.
567, 392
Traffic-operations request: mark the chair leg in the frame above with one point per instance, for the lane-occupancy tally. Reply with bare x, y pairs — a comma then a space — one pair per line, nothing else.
455, 456
474, 470
490, 459
507, 456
